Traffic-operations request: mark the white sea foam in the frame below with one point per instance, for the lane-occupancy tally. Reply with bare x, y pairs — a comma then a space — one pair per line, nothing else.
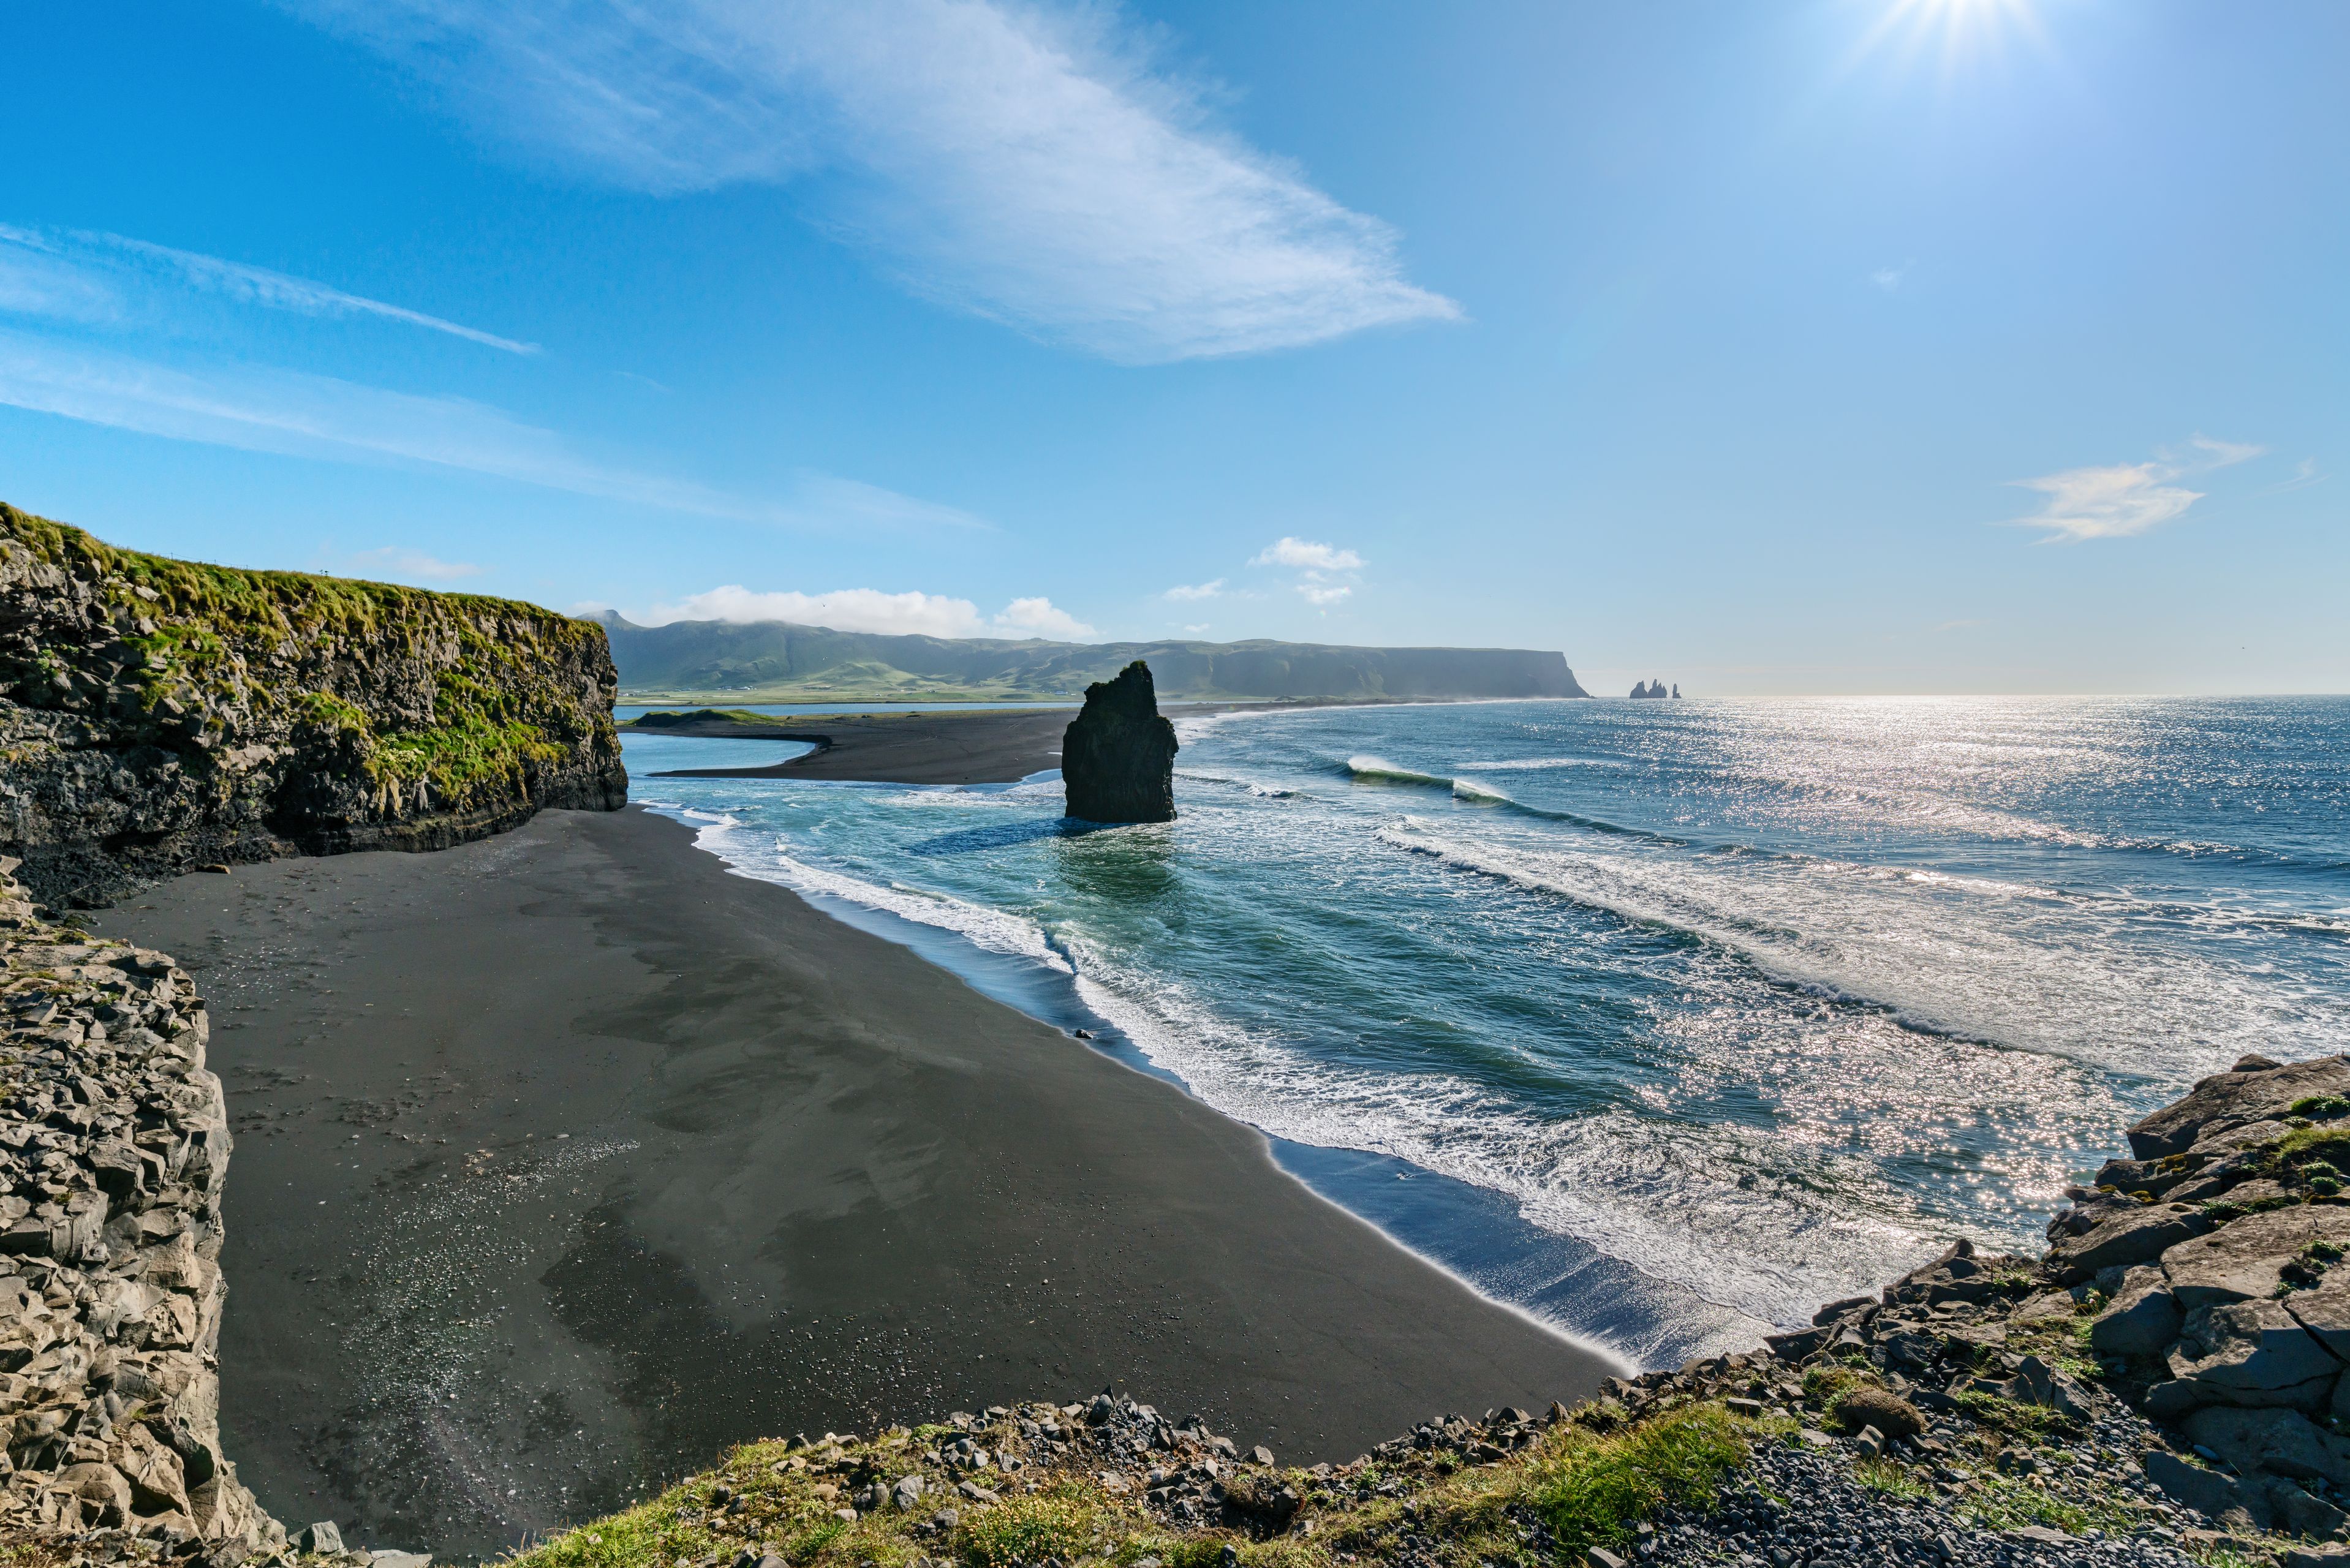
993, 930
1999, 963
1667, 1199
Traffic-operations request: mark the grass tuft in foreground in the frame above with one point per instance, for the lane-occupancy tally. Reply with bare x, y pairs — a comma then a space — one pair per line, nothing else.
833, 1504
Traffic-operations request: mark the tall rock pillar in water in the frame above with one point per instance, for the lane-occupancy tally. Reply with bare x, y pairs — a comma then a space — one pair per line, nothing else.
1117, 757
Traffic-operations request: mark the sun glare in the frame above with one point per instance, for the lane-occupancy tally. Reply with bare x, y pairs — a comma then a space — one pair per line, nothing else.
1953, 30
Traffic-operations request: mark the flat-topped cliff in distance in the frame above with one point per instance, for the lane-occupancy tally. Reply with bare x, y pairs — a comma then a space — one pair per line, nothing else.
781, 662
156, 714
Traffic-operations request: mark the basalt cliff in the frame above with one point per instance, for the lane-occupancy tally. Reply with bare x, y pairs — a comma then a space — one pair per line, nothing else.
157, 715
114, 1147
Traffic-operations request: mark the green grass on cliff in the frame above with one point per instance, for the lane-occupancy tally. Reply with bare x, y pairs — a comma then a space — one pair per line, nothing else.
1538, 1508
207, 642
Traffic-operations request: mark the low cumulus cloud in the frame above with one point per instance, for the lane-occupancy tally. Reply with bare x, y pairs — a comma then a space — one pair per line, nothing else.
1184, 594
1327, 575
1289, 552
872, 610
1024, 162
2116, 501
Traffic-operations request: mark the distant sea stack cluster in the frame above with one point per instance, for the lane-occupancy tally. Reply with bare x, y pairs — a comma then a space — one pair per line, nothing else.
1647, 689
160, 716
1118, 756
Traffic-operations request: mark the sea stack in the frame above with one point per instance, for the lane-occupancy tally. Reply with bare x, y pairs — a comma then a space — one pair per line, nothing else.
1118, 756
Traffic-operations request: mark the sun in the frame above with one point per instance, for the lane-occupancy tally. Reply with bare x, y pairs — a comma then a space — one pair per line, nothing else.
1953, 29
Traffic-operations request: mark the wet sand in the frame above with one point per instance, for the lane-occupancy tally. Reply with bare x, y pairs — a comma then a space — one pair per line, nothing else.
566, 1158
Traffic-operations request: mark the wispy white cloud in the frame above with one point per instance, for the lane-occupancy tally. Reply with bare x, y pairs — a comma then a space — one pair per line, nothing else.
291, 412
1888, 278
1026, 163
2304, 473
2223, 453
1289, 552
402, 564
2109, 501
1182, 593
872, 610
824, 498
85, 276
1324, 594
2115, 500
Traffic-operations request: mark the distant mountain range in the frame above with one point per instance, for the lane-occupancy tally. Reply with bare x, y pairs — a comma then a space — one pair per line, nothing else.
778, 661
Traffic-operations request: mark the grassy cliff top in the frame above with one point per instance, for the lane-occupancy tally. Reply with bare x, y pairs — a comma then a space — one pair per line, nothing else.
244, 600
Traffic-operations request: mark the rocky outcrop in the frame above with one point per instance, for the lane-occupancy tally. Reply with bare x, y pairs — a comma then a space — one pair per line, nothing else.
113, 1147
1645, 690
157, 715
1118, 756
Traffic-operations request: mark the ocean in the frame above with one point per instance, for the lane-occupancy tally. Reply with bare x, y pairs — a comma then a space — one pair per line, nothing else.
1664, 1022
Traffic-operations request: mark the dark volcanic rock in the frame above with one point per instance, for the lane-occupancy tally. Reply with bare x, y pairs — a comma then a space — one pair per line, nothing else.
1118, 758
158, 715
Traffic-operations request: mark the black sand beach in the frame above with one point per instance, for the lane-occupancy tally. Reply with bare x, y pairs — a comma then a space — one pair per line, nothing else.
566, 1158
984, 746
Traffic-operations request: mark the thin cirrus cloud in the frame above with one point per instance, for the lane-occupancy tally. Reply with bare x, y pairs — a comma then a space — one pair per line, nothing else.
112, 279
1022, 163
872, 610
408, 565
2115, 501
295, 413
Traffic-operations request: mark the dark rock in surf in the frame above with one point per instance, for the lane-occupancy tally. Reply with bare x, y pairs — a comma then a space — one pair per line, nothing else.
1117, 757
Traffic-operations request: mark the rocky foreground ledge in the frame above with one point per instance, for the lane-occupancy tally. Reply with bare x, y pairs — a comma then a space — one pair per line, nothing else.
2165, 1386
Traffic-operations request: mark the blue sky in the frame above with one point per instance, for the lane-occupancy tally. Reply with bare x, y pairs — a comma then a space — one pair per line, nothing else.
1840, 346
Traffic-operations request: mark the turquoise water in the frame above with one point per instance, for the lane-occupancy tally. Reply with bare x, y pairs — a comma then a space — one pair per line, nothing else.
1664, 1020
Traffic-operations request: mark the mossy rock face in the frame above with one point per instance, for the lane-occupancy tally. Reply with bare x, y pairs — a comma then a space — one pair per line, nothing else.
156, 714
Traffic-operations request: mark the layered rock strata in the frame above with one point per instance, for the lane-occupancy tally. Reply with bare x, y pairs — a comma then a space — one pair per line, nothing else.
113, 1147
157, 715
1118, 756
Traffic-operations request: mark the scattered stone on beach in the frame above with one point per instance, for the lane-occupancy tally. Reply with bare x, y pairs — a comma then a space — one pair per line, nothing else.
1118, 756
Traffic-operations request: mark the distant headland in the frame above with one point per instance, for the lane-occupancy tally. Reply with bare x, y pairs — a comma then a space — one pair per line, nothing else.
781, 662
